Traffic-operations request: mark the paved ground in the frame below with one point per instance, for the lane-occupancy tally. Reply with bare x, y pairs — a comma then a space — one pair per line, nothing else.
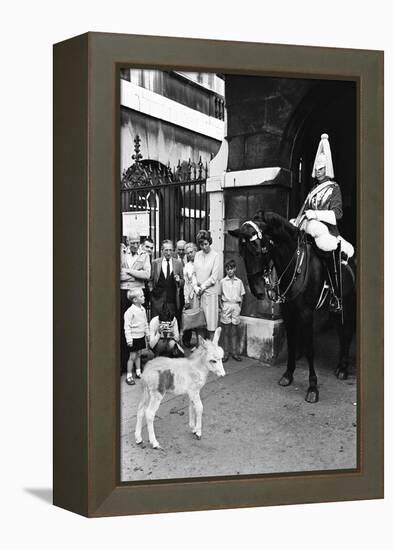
250, 425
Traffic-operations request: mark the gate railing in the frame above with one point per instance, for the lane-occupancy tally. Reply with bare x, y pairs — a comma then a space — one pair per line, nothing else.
162, 202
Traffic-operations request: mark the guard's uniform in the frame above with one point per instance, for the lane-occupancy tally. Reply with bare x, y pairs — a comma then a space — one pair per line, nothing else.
328, 198
325, 201
324, 197
319, 215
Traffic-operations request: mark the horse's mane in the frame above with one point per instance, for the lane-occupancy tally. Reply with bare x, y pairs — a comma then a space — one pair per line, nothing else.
275, 223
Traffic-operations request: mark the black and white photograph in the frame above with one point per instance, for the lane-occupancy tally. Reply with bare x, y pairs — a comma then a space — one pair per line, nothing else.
238, 257
193, 195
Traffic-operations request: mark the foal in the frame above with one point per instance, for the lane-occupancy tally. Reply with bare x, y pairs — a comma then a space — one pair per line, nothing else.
179, 376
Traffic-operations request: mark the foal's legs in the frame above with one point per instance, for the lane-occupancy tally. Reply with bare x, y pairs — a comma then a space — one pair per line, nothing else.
139, 417
191, 416
198, 408
154, 403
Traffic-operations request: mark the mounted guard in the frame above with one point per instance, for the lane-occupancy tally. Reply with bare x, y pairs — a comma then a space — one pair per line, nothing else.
318, 218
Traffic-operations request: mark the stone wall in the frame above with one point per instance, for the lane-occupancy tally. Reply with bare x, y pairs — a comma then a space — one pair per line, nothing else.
162, 141
259, 110
241, 204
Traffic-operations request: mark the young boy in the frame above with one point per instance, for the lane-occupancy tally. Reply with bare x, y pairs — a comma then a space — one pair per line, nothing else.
231, 298
136, 330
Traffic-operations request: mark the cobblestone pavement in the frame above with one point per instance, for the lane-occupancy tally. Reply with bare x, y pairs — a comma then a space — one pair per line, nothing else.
251, 425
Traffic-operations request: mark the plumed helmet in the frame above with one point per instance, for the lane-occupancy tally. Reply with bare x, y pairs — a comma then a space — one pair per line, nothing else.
323, 158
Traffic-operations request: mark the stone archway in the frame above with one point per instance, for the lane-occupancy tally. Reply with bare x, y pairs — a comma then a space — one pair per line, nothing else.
329, 107
273, 129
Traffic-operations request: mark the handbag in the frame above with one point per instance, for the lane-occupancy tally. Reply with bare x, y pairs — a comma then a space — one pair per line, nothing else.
193, 318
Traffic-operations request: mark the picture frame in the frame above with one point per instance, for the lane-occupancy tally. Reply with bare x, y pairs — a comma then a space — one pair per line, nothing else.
86, 273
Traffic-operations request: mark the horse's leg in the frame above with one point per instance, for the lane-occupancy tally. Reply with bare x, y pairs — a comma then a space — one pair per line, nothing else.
341, 369
291, 330
347, 329
312, 395
345, 333
299, 346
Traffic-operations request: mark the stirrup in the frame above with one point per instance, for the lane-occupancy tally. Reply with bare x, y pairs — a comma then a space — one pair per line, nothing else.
344, 258
335, 305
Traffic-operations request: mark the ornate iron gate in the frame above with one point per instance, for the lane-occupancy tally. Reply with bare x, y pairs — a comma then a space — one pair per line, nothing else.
163, 203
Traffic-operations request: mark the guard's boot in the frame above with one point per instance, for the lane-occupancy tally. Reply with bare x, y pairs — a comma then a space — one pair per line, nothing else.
335, 280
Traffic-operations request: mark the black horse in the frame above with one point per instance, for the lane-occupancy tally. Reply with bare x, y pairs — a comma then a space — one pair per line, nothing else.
299, 285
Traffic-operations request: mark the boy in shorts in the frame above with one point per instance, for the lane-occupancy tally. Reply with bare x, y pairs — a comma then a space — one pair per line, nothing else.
231, 295
136, 330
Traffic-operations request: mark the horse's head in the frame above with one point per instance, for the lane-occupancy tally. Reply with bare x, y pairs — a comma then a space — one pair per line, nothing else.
257, 239
254, 248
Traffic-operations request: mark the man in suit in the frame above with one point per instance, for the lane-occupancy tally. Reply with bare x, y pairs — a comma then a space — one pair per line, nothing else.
147, 246
180, 252
167, 281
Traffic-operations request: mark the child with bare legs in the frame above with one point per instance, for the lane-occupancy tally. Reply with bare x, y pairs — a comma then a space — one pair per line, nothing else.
136, 330
231, 295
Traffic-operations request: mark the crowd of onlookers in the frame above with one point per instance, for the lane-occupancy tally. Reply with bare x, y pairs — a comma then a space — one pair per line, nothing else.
155, 294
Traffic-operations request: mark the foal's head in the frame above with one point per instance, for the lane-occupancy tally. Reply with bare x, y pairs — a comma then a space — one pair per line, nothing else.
214, 353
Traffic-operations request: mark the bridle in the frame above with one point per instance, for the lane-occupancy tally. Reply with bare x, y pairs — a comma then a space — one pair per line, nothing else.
257, 229
258, 236
273, 290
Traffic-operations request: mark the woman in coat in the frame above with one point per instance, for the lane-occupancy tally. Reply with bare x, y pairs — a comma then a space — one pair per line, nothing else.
205, 280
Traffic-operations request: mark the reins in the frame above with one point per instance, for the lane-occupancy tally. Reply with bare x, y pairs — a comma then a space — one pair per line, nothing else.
273, 290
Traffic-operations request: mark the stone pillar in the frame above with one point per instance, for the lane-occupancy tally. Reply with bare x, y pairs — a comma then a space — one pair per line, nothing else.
263, 332
217, 214
263, 339
214, 188
246, 191
250, 172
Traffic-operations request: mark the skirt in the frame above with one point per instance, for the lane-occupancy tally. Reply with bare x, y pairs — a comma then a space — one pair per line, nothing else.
209, 304
138, 344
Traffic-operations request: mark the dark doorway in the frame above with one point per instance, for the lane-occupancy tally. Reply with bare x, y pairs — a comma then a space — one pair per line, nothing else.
329, 107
